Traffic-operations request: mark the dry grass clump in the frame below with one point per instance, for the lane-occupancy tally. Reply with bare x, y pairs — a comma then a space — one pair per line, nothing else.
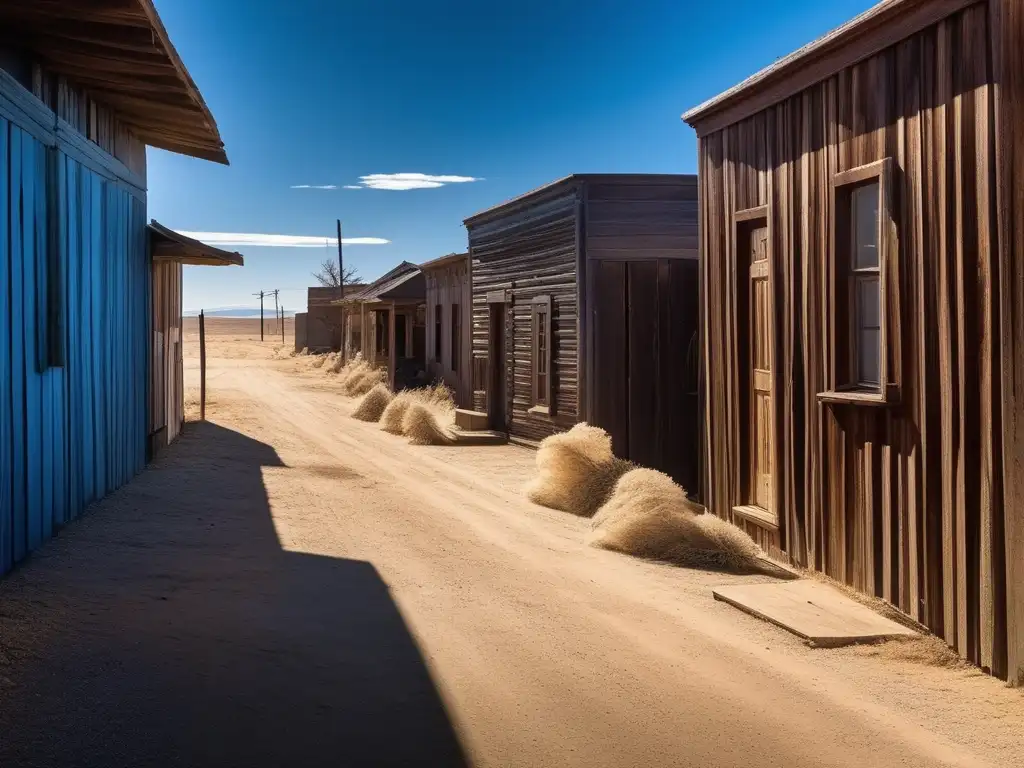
372, 406
439, 403
304, 352
318, 361
577, 471
649, 516
425, 425
394, 414
361, 383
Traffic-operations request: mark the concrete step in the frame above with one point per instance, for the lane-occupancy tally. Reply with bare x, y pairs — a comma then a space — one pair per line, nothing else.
471, 421
478, 437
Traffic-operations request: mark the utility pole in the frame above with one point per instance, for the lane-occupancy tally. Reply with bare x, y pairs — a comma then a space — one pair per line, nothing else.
282, 323
260, 294
341, 263
275, 306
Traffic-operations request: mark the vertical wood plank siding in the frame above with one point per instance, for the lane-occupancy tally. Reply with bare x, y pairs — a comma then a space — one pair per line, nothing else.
530, 253
68, 435
447, 286
1007, 24
906, 502
642, 305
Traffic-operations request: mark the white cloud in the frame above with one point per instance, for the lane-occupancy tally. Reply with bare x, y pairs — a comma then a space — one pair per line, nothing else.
404, 181
244, 239
314, 186
352, 186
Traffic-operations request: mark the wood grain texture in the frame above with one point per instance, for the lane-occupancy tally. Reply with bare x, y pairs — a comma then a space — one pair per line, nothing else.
622, 249
448, 286
905, 501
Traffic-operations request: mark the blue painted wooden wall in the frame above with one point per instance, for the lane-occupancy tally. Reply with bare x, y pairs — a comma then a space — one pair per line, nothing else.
69, 434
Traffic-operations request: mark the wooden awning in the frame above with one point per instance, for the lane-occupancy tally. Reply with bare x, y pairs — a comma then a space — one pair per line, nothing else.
120, 52
167, 245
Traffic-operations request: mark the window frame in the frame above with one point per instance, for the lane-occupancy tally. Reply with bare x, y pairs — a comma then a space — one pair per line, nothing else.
844, 328
454, 356
542, 395
438, 332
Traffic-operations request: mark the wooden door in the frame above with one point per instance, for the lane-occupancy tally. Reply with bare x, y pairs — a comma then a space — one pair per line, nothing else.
762, 438
497, 413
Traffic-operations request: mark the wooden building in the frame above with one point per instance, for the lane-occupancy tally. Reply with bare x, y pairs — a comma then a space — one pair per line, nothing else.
388, 315
84, 87
449, 316
169, 250
863, 322
585, 309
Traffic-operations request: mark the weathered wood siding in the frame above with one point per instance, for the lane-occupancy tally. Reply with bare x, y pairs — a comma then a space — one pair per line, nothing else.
167, 389
447, 286
1007, 24
904, 502
530, 252
640, 323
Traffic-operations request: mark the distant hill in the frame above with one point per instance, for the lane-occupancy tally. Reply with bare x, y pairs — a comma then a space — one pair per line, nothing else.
241, 312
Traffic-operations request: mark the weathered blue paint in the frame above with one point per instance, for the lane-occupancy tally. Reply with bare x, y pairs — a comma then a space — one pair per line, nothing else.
69, 435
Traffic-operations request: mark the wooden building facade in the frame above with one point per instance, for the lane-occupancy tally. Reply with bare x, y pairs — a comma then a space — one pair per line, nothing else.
585, 309
169, 251
449, 347
862, 315
388, 320
76, 278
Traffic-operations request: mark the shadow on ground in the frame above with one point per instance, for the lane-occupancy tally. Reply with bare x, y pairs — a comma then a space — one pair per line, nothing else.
168, 628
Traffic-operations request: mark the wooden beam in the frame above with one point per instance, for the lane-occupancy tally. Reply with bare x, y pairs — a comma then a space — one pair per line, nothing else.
46, 10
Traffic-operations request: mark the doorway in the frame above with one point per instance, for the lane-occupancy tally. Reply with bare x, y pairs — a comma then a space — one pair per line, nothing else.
401, 321
757, 358
497, 414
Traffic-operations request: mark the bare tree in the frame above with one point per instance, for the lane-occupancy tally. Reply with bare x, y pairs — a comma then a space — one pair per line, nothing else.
330, 277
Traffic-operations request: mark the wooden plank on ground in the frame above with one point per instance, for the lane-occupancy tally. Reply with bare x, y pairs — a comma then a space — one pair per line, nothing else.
816, 612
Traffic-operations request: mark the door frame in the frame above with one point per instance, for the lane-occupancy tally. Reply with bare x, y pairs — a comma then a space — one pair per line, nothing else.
497, 366
744, 221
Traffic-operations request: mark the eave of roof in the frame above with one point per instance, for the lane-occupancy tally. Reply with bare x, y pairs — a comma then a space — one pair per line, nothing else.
874, 30
168, 245
444, 261
386, 282
120, 52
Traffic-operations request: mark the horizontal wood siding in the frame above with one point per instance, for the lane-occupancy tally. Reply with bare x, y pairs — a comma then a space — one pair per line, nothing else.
530, 252
447, 286
904, 502
70, 434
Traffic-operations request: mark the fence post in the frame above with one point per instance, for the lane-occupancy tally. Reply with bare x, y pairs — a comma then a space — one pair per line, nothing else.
202, 366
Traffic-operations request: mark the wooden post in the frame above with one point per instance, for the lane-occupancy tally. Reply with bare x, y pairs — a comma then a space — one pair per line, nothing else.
341, 264
261, 315
282, 323
202, 366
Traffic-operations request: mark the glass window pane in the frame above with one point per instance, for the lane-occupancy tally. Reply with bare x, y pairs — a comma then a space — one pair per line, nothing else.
868, 295
864, 203
869, 359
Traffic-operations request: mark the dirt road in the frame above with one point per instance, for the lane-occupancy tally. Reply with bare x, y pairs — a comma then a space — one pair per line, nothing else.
290, 587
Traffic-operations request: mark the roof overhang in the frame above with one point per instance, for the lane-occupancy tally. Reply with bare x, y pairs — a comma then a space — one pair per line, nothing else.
873, 31
119, 51
445, 261
168, 245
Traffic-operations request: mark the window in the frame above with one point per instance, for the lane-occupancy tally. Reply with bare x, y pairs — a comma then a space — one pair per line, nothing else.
383, 333
438, 311
456, 336
542, 356
863, 245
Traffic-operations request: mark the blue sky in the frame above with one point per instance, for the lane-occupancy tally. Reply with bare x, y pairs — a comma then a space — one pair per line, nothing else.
324, 92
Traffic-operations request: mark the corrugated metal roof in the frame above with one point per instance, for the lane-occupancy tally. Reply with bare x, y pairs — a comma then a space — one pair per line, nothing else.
444, 261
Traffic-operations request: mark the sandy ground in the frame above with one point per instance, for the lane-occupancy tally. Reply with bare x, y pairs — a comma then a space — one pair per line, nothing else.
290, 587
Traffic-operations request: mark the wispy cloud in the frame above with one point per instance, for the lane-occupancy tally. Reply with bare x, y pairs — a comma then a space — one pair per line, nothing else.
404, 181
245, 239
314, 186
352, 186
